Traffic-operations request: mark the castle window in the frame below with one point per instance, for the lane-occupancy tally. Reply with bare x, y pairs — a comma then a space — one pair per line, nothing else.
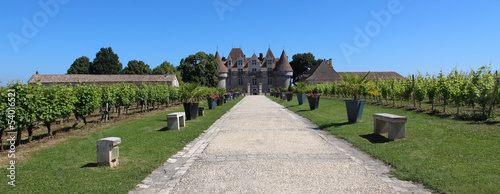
240, 70
240, 82
269, 69
269, 62
254, 62
240, 63
254, 82
270, 81
254, 69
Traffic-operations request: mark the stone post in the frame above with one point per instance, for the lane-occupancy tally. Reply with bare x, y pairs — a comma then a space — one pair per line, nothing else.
107, 151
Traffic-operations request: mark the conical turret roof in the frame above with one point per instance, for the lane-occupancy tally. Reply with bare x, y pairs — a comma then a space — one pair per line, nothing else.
269, 53
283, 64
220, 65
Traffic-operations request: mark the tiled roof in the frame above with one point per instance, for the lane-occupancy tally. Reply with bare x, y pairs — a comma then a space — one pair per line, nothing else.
283, 64
269, 54
235, 54
321, 72
92, 78
375, 74
220, 64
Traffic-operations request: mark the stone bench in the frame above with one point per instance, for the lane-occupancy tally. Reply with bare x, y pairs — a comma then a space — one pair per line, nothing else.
394, 125
176, 120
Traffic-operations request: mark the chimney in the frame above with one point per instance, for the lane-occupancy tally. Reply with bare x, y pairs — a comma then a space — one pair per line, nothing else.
330, 61
223, 58
261, 56
37, 72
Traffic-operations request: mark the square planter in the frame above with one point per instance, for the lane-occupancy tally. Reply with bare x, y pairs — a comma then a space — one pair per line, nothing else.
313, 102
354, 110
212, 103
289, 97
191, 110
301, 98
220, 101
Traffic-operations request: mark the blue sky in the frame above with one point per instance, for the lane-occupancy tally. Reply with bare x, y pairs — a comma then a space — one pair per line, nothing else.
407, 36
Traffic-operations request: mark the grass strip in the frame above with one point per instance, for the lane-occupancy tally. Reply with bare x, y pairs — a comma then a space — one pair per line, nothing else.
70, 167
445, 155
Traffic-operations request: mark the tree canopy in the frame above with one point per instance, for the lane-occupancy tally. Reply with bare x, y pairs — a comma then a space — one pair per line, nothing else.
167, 68
137, 67
80, 66
301, 63
200, 68
106, 62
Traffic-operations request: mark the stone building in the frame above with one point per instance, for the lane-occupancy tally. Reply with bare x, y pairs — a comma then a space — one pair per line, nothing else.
73, 79
324, 73
255, 74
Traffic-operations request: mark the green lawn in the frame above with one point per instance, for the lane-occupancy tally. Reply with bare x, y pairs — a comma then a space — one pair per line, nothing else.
70, 167
444, 154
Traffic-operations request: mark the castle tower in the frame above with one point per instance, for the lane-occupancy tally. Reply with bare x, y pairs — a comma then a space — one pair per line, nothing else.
283, 71
222, 69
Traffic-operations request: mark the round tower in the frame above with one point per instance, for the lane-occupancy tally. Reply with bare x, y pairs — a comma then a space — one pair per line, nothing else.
222, 69
283, 71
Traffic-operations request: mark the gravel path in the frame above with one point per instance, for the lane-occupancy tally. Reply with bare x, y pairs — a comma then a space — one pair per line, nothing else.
261, 147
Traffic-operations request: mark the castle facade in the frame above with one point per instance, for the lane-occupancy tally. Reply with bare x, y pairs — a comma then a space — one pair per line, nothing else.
255, 74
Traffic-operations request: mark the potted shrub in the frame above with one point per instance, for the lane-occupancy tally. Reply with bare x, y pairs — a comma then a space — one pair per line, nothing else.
282, 93
354, 86
313, 99
190, 95
236, 92
227, 97
301, 89
212, 101
289, 95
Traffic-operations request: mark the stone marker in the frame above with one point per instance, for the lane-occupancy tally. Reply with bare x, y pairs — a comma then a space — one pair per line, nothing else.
107, 151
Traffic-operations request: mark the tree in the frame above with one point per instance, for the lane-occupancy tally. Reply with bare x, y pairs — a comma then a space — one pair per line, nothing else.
167, 68
80, 66
200, 68
301, 63
105, 62
137, 67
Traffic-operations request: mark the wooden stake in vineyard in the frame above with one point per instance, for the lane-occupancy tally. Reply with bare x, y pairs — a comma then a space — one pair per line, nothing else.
492, 101
413, 93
